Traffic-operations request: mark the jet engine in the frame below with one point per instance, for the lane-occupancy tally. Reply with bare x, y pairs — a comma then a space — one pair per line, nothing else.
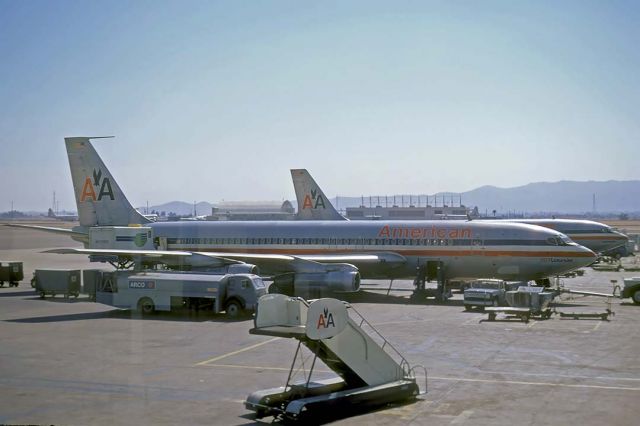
242, 268
339, 277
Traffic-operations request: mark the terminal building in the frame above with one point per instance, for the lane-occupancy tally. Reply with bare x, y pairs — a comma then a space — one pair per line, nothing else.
253, 210
448, 209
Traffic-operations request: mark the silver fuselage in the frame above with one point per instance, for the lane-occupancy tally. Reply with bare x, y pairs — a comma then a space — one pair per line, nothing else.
596, 236
474, 249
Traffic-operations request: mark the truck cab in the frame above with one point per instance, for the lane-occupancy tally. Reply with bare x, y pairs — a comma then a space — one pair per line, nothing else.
631, 289
488, 292
243, 292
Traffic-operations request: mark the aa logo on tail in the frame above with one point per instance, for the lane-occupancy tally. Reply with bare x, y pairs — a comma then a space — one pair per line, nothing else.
313, 201
99, 184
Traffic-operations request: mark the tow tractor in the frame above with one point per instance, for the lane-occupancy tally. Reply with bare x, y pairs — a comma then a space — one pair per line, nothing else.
371, 372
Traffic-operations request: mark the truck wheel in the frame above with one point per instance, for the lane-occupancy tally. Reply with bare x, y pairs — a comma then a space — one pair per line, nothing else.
42, 295
467, 307
146, 306
233, 309
636, 297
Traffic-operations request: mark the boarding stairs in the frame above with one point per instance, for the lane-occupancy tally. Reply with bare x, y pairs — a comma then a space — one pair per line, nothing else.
371, 372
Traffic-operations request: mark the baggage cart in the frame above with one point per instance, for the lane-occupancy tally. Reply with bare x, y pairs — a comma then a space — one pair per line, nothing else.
11, 272
91, 279
57, 281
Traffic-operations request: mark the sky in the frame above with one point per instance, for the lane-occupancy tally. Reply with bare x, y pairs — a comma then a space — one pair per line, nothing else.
217, 100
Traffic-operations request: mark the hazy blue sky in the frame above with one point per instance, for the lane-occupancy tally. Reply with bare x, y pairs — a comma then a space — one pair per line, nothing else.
218, 100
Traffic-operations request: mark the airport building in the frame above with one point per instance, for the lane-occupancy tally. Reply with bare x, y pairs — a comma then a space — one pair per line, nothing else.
253, 210
376, 211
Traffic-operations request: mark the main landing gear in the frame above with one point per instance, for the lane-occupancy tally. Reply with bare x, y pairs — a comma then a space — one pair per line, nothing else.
431, 270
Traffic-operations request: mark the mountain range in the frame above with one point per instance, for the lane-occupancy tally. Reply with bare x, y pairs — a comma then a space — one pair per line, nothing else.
570, 197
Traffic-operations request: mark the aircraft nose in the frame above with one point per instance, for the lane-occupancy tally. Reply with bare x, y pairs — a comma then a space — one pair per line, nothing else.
587, 256
620, 236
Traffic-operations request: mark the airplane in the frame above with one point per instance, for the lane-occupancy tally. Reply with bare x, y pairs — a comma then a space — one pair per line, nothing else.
595, 236
303, 256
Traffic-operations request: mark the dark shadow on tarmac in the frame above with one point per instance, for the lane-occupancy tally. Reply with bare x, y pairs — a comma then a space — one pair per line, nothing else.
184, 316
15, 293
328, 415
378, 297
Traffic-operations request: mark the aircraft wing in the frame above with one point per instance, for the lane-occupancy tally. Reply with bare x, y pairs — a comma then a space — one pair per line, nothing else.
276, 263
76, 235
388, 258
173, 258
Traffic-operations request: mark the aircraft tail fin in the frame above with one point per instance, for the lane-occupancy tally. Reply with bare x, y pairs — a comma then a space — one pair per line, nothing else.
99, 199
312, 203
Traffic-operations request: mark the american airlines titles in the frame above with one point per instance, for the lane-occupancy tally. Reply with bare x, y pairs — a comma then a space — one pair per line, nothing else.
432, 232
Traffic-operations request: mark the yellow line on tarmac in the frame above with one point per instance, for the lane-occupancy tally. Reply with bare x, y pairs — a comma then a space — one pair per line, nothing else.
248, 348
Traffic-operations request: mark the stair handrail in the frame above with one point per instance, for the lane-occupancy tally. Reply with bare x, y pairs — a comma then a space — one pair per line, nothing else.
407, 371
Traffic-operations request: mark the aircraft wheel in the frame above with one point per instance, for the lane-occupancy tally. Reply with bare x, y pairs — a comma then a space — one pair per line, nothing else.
146, 306
636, 297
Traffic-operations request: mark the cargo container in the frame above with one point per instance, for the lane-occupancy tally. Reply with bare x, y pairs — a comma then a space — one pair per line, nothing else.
11, 273
57, 281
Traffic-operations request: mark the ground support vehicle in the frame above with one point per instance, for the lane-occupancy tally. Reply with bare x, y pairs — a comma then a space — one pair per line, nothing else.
631, 289
604, 316
524, 314
235, 294
524, 303
91, 279
484, 293
371, 371
56, 281
11, 272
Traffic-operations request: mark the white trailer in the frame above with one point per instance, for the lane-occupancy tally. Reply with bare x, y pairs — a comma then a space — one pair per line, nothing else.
236, 294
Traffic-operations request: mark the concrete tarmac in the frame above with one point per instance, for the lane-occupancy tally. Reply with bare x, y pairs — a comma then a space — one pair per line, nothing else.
77, 362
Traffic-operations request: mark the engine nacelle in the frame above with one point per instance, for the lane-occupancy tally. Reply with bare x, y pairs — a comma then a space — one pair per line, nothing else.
242, 268
234, 268
337, 281
339, 277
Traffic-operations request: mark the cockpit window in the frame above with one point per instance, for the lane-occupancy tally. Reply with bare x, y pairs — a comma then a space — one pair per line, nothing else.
560, 240
565, 241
